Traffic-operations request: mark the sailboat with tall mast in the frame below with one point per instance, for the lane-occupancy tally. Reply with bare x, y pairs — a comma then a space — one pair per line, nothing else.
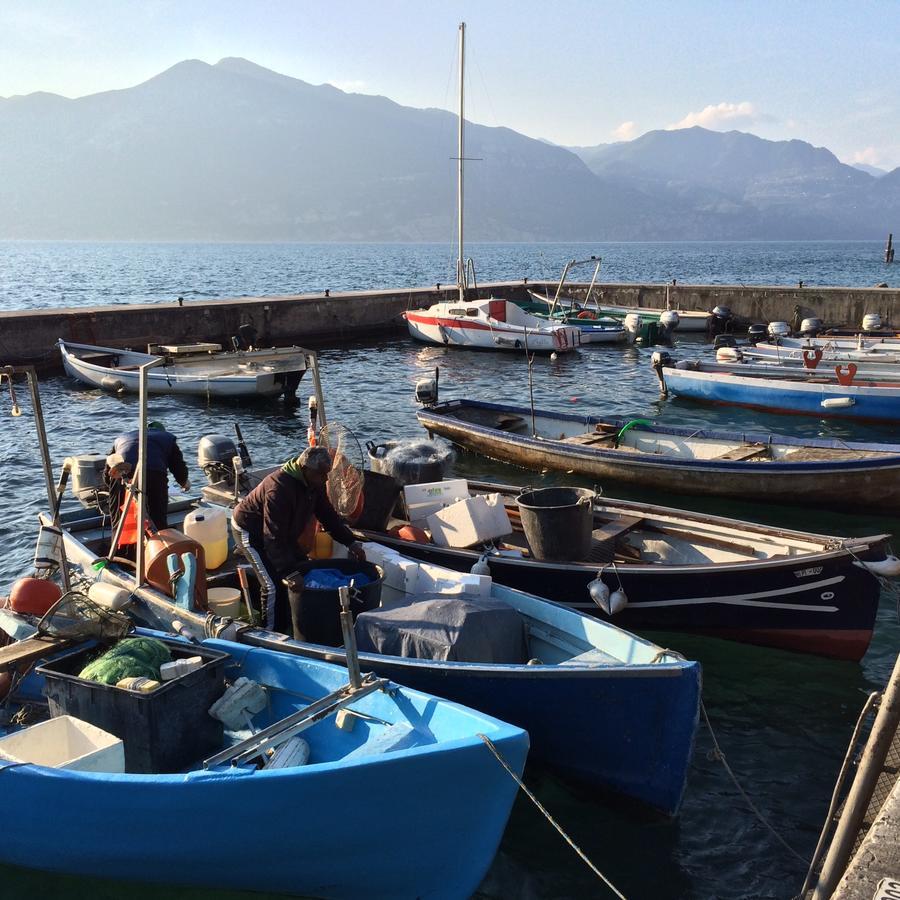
482, 322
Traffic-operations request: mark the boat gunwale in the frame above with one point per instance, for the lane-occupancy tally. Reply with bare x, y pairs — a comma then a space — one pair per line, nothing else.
441, 412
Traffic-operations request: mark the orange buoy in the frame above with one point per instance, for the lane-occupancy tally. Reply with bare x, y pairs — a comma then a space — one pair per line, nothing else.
34, 596
586, 314
411, 533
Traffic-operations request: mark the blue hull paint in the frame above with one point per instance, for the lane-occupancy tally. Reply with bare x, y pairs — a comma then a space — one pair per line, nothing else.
438, 808
781, 396
631, 733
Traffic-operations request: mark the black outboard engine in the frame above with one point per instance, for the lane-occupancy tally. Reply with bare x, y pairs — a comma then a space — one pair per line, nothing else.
720, 320
756, 333
215, 456
724, 340
246, 337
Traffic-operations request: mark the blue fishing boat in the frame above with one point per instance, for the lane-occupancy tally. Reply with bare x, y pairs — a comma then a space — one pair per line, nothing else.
417, 766
602, 706
839, 392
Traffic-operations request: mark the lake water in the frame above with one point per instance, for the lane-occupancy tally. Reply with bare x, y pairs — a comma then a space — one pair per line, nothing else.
782, 719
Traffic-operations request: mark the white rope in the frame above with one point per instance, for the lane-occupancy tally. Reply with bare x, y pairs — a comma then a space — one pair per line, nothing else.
550, 818
717, 754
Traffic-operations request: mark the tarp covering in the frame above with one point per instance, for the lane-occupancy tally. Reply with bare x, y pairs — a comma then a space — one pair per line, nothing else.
440, 628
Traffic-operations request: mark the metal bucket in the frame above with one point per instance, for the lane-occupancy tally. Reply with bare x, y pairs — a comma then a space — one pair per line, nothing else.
558, 522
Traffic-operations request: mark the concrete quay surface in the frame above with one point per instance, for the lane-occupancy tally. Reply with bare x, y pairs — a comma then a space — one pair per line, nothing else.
29, 336
878, 856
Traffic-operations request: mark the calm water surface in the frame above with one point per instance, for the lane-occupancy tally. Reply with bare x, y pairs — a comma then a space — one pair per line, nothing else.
782, 719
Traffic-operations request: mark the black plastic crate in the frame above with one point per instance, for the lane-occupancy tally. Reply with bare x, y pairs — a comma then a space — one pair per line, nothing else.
165, 730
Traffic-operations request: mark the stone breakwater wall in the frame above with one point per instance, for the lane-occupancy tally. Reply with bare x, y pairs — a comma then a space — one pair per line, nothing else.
29, 336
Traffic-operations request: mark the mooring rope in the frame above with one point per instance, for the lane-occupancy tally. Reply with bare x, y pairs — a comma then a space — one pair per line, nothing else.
717, 754
550, 818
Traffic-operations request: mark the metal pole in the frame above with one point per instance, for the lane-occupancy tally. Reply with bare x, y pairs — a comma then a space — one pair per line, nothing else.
587, 296
559, 286
317, 385
460, 270
860, 795
349, 638
141, 474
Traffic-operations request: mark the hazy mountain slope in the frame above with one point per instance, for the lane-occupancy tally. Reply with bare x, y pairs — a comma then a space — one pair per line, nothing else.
237, 152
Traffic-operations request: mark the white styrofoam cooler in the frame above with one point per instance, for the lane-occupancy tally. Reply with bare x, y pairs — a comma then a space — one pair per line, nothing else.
424, 499
470, 521
65, 743
403, 576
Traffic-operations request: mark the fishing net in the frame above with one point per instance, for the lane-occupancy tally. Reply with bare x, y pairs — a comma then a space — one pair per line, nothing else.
345, 480
409, 460
75, 617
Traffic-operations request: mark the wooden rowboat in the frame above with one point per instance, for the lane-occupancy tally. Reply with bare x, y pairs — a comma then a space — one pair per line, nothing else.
747, 465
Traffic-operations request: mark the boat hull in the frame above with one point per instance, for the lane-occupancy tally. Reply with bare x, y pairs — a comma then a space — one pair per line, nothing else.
860, 401
255, 374
284, 831
824, 604
588, 724
459, 332
864, 483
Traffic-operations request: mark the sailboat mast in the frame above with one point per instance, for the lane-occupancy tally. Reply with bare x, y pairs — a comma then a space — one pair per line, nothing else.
460, 262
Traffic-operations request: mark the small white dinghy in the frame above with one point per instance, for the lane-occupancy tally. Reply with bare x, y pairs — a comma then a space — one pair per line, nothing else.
204, 369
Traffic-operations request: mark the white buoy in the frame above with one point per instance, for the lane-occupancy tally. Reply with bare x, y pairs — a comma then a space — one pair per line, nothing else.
617, 601
599, 594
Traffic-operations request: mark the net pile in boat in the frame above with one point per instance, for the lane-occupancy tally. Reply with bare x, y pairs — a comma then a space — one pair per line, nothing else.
76, 617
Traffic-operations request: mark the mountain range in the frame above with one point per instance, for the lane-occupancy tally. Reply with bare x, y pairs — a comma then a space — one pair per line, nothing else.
236, 152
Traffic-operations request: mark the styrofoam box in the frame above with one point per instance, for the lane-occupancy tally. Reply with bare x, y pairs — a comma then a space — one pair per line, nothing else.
65, 743
471, 521
424, 499
439, 580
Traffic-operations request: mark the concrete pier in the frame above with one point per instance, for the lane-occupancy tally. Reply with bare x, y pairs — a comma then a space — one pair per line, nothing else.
29, 336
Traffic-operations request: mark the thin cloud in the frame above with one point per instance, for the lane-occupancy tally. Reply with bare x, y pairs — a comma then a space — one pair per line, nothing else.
715, 116
870, 156
627, 131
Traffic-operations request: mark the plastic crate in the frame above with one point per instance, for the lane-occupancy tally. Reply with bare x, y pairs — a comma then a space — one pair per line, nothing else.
165, 730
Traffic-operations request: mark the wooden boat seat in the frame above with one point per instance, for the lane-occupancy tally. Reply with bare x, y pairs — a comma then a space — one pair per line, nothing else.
29, 651
615, 528
589, 438
603, 544
753, 451
98, 359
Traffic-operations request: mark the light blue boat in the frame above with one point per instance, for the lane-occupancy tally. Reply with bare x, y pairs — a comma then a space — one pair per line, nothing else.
409, 802
602, 707
825, 393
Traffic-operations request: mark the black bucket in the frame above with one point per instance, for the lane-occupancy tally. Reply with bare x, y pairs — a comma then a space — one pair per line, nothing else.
558, 522
380, 493
316, 612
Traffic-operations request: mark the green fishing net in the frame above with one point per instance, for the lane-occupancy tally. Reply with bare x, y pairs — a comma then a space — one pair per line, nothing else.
133, 657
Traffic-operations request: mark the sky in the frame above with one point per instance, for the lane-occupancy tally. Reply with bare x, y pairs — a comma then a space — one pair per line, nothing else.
573, 72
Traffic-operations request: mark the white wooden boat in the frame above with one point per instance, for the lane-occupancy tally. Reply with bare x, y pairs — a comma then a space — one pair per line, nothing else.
490, 324
688, 320
809, 352
203, 369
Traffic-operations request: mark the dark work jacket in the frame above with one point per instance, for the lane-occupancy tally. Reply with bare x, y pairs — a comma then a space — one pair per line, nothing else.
163, 452
276, 512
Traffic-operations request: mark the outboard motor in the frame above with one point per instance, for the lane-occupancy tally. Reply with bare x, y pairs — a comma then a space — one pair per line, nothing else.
427, 389
633, 324
811, 327
246, 336
87, 477
729, 355
668, 322
720, 320
756, 333
724, 340
778, 330
871, 322
215, 456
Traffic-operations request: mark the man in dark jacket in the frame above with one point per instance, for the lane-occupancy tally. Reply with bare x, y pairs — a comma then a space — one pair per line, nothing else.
163, 456
268, 522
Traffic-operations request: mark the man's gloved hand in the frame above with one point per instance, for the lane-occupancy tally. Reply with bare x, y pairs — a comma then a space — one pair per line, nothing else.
186, 485
356, 551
